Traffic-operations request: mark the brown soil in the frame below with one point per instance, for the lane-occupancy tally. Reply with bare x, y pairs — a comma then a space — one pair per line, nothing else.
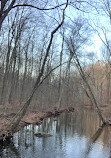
33, 117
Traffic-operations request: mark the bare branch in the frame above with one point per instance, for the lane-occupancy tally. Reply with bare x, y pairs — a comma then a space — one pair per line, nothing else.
32, 6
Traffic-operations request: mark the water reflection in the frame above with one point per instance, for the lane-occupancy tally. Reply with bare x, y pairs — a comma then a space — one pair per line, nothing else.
74, 135
93, 139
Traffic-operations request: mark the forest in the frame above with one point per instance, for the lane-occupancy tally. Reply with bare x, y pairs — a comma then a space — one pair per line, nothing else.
54, 54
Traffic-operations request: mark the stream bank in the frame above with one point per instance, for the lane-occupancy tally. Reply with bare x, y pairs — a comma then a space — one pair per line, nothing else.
32, 117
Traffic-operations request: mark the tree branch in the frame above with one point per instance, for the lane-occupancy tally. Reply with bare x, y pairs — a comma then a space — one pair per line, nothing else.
32, 6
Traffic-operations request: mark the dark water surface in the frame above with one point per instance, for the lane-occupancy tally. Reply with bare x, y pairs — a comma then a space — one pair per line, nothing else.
71, 138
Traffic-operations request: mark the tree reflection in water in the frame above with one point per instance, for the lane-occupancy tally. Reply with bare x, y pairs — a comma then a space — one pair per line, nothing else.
72, 137
94, 138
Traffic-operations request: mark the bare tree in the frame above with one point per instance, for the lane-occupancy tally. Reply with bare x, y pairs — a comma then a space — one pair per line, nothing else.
73, 49
7, 6
14, 123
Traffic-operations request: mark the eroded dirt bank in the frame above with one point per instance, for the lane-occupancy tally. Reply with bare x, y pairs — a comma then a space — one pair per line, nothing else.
37, 116
34, 117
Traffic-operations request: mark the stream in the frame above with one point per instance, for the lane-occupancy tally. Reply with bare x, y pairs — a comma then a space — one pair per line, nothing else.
71, 138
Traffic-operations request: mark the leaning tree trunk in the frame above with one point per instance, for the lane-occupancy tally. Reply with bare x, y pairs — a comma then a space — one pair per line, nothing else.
92, 97
86, 84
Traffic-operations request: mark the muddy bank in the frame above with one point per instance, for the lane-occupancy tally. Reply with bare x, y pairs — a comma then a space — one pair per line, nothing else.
33, 117
36, 117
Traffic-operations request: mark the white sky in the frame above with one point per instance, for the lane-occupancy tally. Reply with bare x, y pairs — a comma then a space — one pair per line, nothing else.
95, 47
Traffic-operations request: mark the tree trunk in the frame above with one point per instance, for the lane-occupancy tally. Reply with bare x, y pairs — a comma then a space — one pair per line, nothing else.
89, 89
60, 79
86, 84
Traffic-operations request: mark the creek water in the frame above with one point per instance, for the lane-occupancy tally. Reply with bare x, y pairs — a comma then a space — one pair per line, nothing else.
71, 138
